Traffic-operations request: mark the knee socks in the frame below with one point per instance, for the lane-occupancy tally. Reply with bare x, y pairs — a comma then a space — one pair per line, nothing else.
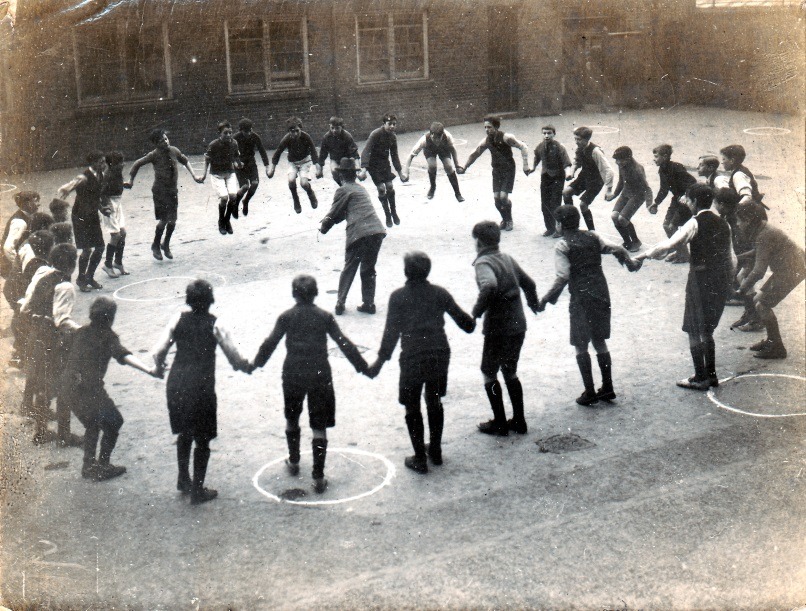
83, 261
698, 357
587, 215
311, 196
292, 439
95, 259
201, 456
493, 390
515, 390
633, 235
432, 178
773, 332
161, 228
709, 354
454, 183
183, 445
319, 447
119, 251
605, 366
292, 186
586, 369
169, 231
390, 195
108, 441
436, 420
111, 249
414, 423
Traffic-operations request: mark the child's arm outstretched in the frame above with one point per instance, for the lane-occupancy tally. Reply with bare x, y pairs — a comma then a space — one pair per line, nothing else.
563, 266
683, 235
234, 357
621, 254
166, 339
133, 361
269, 344
462, 319
346, 346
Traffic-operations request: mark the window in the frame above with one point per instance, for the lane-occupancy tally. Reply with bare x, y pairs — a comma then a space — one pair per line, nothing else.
266, 55
745, 3
392, 47
122, 62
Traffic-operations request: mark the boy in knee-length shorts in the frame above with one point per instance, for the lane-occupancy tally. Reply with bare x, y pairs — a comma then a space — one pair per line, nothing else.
594, 173
222, 159
301, 156
632, 190
380, 147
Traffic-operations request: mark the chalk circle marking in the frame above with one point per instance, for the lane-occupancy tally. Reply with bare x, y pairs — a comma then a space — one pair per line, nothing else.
605, 129
767, 131
6, 187
730, 408
116, 294
390, 473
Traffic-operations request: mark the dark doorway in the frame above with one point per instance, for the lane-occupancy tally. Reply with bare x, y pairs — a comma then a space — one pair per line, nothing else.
584, 49
502, 80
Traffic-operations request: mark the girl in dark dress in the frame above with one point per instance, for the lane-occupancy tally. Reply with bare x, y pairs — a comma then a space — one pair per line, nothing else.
578, 257
192, 401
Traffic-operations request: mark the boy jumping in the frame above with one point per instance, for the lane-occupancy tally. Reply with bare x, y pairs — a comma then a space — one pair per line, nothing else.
301, 155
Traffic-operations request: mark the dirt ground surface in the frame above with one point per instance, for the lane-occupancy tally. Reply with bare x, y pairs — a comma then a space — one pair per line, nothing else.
664, 499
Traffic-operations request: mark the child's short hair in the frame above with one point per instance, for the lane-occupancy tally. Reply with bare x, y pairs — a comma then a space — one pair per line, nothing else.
622, 153
58, 206
727, 198
752, 213
62, 232
549, 128
734, 152
389, 117
710, 161
245, 124
93, 157
337, 121
41, 242
304, 288
63, 257
436, 128
416, 265
586, 133
493, 120
665, 150
222, 125
702, 195
199, 295
487, 232
155, 137
567, 217
39, 221
23, 198
114, 158
292, 122
102, 311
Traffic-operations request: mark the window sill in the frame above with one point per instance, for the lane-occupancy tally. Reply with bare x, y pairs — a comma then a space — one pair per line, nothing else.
395, 85
90, 109
260, 96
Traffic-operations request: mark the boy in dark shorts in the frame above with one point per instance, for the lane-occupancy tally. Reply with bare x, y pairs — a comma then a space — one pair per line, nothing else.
301, 156
165, 192
222, 159
248, 176
632, 190
674, 178
778, 252
380, 147
416, 315
82, 387
338, 143
306, 372
437, 143
594, 173
578, 258
709, 277
556, 163
500, 280
500, 145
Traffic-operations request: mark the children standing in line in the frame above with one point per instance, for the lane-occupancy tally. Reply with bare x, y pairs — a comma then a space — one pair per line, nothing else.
556, 165
709, 279
192, 401
113, 219
301, 155
248, 176
85, 217
338, 143
674, 178
594, 173
578, 258
82, 388
380, 147
416, 315
223, 159
778, 252
165, 191
306, 372
632, 190
438, 142
500, 280
500, 145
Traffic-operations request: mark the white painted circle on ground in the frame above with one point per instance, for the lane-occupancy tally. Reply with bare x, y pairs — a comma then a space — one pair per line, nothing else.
605, 129
731, 408
7, 187
767, 131
178, 292
390, 473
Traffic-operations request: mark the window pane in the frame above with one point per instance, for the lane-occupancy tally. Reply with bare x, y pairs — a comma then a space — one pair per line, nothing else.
246, 56
373, 48
100, 62
409, 47
145, 61
287, 54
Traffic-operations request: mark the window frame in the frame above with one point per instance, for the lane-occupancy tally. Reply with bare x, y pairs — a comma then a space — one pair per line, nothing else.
266, 57
390, 30
122, 97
